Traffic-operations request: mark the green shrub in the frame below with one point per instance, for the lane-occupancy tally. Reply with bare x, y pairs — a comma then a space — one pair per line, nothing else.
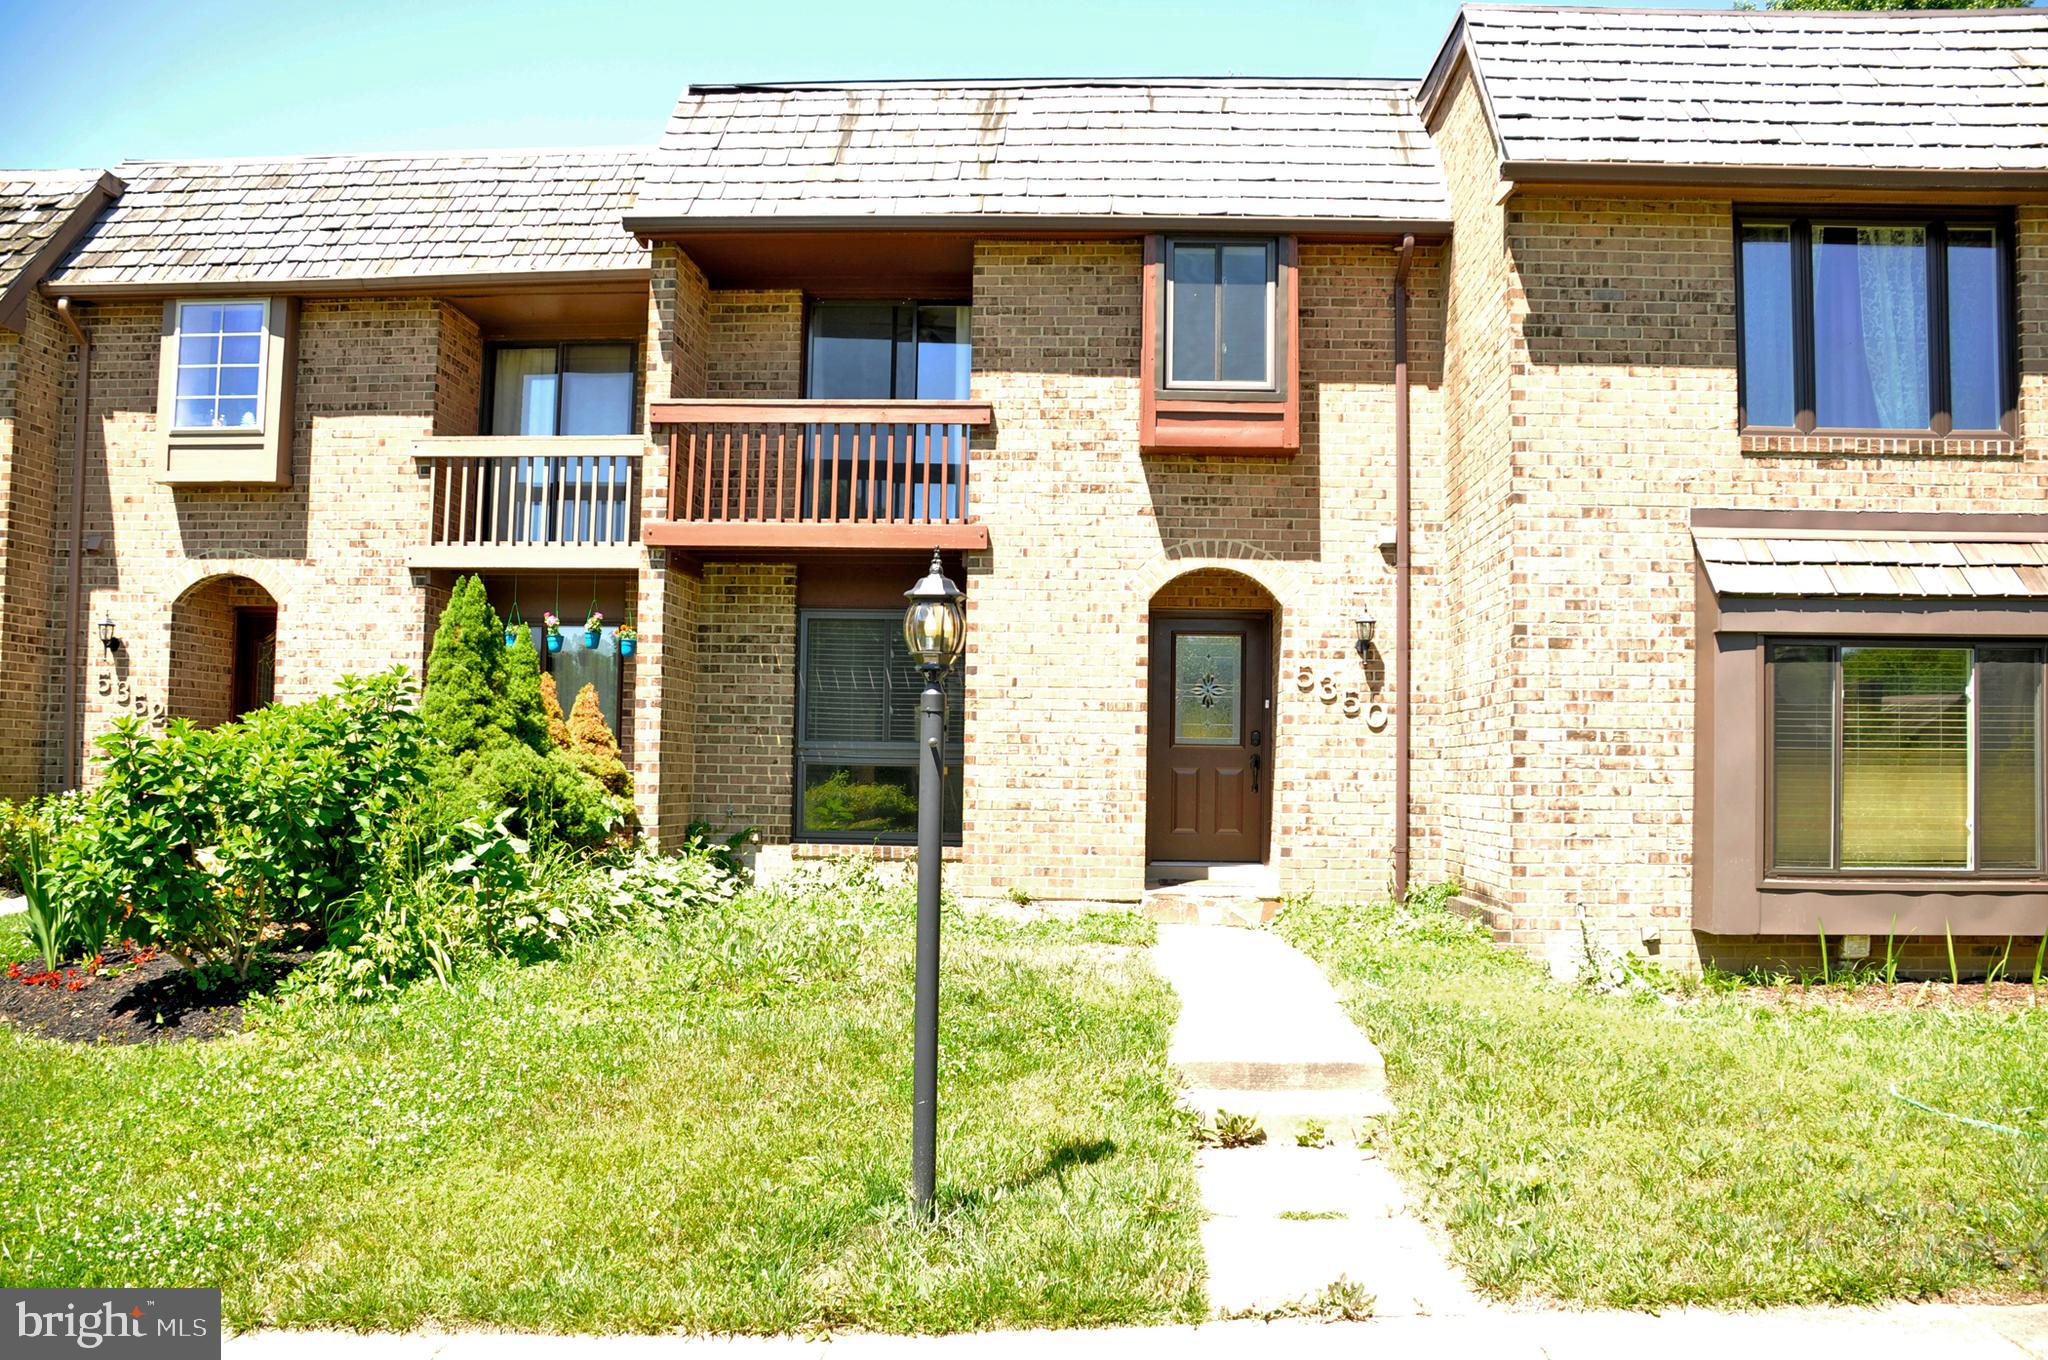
20, 824
206, 842
464, 707
525, 714
551, 799
592, 745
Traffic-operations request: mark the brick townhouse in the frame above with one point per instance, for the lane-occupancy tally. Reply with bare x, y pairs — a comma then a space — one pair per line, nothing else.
1607, 471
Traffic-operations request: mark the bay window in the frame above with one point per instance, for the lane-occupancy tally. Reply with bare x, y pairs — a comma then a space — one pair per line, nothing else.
1900, 756
1874, 322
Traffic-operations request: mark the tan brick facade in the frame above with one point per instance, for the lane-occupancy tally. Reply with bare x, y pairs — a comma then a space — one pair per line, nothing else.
1573, 401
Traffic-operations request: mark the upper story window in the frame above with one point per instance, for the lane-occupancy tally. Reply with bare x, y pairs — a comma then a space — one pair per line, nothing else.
1918, 758
219, 356
1875, 323
568, 388
889, 351
1222, 314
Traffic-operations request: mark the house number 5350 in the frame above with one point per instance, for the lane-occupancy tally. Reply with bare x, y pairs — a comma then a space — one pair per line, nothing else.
1324, 687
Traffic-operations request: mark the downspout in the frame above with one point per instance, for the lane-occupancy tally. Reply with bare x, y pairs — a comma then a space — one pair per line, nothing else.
1402, 689
74, 569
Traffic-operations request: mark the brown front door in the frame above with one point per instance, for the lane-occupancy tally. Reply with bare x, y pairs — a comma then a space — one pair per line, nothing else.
1210, 719
255, 659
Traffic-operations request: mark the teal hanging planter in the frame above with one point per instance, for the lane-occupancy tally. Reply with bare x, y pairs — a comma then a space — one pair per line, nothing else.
628, 646
514, 626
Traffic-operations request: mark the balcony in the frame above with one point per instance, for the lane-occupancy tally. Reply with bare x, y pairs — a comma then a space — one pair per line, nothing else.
773, 476
510, 501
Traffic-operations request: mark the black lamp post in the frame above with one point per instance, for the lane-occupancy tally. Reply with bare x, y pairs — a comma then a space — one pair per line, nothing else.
934, 629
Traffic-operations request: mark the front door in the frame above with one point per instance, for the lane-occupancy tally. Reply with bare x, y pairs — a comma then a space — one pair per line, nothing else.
1210, 768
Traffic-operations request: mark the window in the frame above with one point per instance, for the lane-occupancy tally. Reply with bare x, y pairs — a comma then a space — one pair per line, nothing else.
573, 388
1905, 758
1221, 318
857, 696
219, 361
889, 351
1876, 323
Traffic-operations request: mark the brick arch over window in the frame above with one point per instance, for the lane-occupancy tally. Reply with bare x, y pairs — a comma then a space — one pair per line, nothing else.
220, 661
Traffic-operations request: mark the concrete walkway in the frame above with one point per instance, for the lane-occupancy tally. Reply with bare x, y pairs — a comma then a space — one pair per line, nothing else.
1261, 1033
1902, 1332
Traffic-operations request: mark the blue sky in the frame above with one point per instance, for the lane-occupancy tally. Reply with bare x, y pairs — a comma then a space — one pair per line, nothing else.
107, 79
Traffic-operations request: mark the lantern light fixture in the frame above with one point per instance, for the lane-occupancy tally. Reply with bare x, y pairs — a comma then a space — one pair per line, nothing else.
934, 624
1365, 624
108, 639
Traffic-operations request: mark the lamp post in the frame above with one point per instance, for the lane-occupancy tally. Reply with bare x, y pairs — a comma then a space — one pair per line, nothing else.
934, 629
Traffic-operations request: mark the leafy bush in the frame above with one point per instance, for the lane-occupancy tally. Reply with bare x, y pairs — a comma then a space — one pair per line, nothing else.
483, 892
551, 707
20, 824
464, 708
206, 842
551, 798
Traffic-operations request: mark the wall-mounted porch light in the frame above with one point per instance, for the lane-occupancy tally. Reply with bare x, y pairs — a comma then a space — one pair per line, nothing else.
1364, 623
108, 639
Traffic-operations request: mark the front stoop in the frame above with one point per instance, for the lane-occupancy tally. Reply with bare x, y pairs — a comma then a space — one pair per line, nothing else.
1211, 894
1261, 1033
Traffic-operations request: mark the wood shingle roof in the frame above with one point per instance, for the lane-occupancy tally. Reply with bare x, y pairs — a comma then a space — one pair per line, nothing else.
1928, 91
36, 207
1049, 150
372, 218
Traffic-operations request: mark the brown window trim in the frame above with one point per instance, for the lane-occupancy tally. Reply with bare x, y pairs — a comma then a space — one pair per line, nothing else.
1731, 892
231, 455
1770, 875
1246, 421
1801, 218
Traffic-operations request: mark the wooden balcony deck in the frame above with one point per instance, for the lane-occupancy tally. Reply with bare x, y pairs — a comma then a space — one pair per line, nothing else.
510, 502
823, 475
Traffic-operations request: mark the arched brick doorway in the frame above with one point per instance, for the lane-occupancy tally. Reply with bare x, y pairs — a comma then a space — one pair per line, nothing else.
223, 650
1210, 755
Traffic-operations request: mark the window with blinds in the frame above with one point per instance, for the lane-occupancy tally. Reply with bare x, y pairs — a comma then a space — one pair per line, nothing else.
1889, 758
857, 693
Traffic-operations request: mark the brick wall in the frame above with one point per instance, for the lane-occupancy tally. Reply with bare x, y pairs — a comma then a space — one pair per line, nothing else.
1087, 533
746, 696
1591, 404
35, 462
330, 549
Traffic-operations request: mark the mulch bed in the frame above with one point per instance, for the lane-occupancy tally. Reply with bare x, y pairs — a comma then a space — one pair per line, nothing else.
1906, 996
133, 996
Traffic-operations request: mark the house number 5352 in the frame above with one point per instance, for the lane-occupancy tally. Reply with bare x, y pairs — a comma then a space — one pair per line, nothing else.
117, 688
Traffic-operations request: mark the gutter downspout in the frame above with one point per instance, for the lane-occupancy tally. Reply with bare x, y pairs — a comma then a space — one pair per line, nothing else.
74, 568
1402, 689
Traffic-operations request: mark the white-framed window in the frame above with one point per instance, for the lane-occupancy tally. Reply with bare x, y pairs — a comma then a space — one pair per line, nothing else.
1222, 313
220, 352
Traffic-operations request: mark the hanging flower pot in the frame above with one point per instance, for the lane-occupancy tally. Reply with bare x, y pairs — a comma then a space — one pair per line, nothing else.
593, 629
629, 639
514, 626
554, 627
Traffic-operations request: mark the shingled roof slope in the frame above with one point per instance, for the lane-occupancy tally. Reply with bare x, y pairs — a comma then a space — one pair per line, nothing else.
378, 218
1043, 150
1937, 91
36, 206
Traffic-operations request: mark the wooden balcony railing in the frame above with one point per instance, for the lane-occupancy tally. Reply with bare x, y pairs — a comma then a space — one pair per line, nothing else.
829, 474
512, 499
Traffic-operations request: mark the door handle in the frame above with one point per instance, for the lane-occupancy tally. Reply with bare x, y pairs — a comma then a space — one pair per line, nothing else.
1255, 774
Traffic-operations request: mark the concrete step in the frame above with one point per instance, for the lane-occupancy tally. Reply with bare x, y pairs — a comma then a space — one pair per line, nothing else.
1194, 905
1284, 1223
1261, 1033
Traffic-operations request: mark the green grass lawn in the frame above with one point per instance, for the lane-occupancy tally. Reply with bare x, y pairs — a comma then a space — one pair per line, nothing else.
1712, 1148
706, 1129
